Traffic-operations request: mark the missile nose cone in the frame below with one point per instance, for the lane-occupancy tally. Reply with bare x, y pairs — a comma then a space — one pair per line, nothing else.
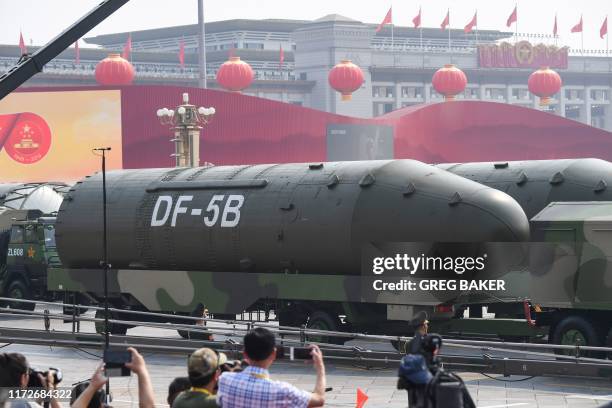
500, 214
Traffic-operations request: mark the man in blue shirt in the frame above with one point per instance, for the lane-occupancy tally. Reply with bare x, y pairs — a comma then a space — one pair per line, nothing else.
253, 388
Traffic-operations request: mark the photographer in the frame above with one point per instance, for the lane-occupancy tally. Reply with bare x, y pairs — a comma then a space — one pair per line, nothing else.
253, 388
204, 367
15, 373
427, 383
90, 394
420, 324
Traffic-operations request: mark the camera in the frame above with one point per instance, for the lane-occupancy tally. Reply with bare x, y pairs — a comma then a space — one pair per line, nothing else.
114, 361
35, 382
233, 366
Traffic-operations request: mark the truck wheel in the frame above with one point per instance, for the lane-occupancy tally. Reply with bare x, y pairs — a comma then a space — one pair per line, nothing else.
320, 320
575, 330
113, 328
17, 289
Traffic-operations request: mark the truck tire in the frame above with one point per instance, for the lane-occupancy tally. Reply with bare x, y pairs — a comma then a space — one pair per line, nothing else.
113, 328
574, 330
321, 320
17, 289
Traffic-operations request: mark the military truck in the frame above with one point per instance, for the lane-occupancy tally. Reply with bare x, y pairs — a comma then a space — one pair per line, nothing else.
27, 249
282, 238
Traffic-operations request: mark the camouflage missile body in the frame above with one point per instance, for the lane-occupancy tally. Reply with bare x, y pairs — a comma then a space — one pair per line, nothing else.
569, 257
228, 236
536, 183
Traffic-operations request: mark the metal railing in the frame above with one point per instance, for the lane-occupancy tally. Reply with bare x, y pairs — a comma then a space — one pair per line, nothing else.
292, 336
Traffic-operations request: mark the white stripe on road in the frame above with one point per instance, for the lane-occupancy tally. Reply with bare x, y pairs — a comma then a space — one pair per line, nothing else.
591, 397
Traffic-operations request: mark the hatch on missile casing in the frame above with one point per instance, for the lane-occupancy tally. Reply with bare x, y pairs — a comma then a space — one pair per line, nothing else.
536, 183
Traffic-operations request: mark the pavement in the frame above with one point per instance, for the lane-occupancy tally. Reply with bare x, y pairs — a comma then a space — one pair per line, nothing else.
378, 384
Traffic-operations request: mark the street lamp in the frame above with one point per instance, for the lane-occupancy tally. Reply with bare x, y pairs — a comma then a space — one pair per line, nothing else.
186, 121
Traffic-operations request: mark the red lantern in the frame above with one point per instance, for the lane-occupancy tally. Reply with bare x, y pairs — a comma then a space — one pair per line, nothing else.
544, 83
114, 70
235, 75
449, 81
345, 78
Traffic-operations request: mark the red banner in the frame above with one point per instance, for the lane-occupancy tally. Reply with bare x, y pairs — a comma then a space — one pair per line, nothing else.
522, 55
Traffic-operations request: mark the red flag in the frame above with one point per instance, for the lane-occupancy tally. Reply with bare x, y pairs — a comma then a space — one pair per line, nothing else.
417, 20
555, 27
512, 18
281, 57
127, 48
387, 20
473, 23
446, 21
77, 53
604, 28
362, 397
578, 27
182, 53
22, 45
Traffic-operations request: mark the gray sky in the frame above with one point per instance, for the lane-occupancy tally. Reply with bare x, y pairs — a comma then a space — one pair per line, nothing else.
41, 20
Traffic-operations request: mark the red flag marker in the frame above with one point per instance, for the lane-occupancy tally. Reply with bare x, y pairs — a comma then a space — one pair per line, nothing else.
387, 20
22, 45
182, 53
555, 27
77, 53
578, 27
512, 18
446, 21
604, 28
473, 23
417, 20
127, 48
361, 398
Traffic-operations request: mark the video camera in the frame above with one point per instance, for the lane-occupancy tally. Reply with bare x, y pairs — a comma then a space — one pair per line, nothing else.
427, 383
35, 382
234, 366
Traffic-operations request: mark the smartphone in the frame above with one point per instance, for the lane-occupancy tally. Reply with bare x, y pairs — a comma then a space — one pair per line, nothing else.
299, 353
114, 363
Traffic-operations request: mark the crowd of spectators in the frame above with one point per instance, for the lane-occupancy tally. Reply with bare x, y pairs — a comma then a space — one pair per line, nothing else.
212, 381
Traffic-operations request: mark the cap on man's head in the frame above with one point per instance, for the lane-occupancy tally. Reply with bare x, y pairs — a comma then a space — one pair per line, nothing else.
419, 319
205, 361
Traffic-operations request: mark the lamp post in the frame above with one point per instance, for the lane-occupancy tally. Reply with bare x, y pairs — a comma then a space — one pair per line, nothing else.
104, 262
186, 121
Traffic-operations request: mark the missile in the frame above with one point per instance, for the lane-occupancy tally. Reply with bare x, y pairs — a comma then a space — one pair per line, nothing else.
536, 183
300, 218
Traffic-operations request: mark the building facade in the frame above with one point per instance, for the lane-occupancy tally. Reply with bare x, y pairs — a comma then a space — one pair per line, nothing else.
397, 66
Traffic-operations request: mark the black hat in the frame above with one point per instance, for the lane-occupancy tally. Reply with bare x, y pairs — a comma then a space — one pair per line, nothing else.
419, 319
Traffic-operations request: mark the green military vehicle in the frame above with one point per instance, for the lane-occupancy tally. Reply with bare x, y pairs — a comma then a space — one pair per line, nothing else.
27, 250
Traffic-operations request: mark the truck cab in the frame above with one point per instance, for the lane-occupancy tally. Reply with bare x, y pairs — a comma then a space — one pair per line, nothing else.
28, 250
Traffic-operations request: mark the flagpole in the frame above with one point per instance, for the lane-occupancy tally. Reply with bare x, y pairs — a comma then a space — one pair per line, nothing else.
421, 37
420, 28
476, 29
449, 37
516, 23
581, 36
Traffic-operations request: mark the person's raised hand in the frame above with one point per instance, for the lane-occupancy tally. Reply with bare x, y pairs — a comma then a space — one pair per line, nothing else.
137, 365
98, 379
